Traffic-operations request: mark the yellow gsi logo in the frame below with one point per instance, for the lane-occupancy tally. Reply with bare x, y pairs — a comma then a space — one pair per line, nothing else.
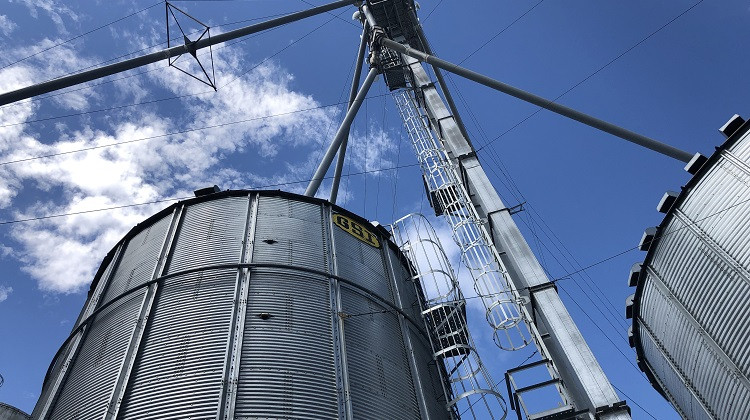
355, 229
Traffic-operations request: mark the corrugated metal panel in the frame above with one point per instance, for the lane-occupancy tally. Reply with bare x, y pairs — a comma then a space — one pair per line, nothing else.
290, 232
361, 263
8, 412
682, 359
429, 376
211, 233
707, 287
741, 149
178, 371
287, 365
408, 292
139, 259
93, 303
54, 371
379, 374
682, 400
92, 377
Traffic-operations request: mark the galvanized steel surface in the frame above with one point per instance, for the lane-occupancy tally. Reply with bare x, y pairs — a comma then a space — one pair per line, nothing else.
691, 312
253, 305
8, 412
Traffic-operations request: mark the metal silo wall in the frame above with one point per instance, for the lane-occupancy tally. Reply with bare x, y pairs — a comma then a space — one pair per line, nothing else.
693, 310
247, 305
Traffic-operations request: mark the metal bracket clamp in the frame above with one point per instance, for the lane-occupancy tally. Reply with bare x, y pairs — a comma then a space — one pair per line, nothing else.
538, 288
191, 46
613, 408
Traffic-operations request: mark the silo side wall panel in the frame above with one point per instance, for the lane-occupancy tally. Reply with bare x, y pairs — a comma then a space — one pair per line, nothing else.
178, 373
691, 361
429, 376
361, 263
211, 234
708, 287
741, 149
8, 412
103, 281
379, 374
54, 371
94, 372
139, 260
331, 340
408, 292
287, 365
290, 232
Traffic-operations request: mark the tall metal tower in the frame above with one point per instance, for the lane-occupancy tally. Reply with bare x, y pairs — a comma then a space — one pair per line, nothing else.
521, 303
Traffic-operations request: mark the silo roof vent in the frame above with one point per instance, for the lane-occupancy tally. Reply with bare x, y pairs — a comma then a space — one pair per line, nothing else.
207, 191
732, 125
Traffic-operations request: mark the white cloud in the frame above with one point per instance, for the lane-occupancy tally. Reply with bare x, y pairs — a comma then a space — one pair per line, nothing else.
7, 26
55, 11
62, 254
5, 291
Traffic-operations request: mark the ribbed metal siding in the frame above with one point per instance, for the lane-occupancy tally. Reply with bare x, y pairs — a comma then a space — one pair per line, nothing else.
178, 371
287, 368
684, 355
290, 232
139, 260
695, 334
409, 300
379, 373
92, 377
429, 376
711, 288
211, 234
362, 264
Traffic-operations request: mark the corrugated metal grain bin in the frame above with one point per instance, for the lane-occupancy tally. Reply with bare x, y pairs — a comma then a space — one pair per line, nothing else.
248, 304
691, 309
8, 412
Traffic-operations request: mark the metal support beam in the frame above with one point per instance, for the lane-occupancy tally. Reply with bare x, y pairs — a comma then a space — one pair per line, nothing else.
610, 128
583, 378
441, 81
86, 76
341, 134
352, 95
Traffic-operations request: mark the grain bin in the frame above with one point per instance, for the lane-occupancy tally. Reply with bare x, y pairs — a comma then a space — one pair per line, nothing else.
691, 307
248, 304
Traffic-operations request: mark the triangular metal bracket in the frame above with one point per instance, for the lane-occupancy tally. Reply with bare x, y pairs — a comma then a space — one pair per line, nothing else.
191, 46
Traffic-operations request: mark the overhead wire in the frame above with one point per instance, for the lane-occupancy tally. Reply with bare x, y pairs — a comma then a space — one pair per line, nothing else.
541, 246
597, 71
609, 303
176, 96
350, 76
381, 153
501, 31
432, 10
279, 184
501, 380
534, 233
112, 80
172, 133
349, 22
80, 35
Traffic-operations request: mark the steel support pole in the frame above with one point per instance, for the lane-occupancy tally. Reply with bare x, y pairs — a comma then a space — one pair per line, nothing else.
87, 76
623, 133
352, 95
341, 134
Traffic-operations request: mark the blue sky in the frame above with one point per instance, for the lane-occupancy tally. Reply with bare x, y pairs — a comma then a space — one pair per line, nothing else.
589, 196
